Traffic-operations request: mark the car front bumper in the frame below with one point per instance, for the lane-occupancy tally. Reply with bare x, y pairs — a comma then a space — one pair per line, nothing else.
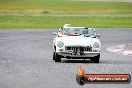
85, 54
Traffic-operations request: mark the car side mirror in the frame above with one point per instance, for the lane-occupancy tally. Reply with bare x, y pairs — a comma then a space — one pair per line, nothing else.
54, 33
98, 35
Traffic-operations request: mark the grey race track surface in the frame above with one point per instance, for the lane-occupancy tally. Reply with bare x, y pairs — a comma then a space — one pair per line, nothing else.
26, 60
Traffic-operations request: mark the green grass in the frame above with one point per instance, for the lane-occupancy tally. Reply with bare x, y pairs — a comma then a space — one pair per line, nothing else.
42, 14
64, 7
10, 21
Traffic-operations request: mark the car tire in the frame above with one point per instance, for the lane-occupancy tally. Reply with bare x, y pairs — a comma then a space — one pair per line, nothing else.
96, 59
57, 57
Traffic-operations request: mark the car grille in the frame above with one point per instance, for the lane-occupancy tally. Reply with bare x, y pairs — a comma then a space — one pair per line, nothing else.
75, 48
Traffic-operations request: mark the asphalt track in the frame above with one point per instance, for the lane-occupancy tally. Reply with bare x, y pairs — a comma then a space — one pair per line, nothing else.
26, 60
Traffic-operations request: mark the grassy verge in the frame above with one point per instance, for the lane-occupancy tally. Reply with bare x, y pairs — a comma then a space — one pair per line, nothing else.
11, 21
64, 7
52, 14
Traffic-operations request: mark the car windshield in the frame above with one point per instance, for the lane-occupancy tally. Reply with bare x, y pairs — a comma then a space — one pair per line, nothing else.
78, 31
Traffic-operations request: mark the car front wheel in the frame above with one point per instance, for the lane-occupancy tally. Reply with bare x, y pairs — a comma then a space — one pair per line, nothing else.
53, 55
56, 57
96, 59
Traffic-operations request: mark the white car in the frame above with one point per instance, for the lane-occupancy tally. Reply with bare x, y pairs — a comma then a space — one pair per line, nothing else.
76, 43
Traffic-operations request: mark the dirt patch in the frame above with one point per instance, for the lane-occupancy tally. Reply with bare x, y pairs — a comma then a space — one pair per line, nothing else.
129, 46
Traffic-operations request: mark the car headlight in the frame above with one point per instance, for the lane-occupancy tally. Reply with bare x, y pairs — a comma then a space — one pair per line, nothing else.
96, 45
60, 44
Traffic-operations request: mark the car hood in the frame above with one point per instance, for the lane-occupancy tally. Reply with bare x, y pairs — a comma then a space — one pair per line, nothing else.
78, 40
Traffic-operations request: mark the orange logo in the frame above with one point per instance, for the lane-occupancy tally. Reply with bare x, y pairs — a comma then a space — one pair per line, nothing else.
83, 78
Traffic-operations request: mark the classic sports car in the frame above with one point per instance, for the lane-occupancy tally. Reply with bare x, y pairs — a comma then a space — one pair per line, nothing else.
76, 43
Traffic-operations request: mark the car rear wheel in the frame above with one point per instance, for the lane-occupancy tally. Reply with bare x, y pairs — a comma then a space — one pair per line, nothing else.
96, 59
57, 57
